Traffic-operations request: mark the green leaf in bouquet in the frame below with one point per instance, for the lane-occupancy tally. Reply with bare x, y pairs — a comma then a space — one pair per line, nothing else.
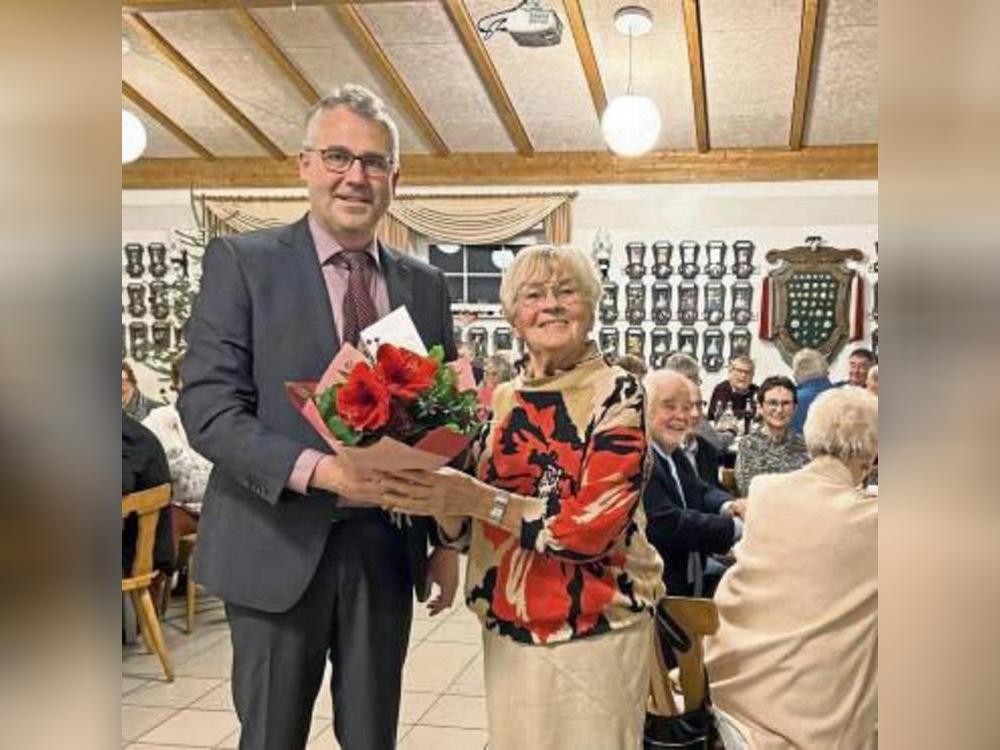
342, 432
437, 352
325, 402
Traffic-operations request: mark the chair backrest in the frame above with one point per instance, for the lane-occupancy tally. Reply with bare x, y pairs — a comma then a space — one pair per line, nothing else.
698, 618
727, 478
147, 504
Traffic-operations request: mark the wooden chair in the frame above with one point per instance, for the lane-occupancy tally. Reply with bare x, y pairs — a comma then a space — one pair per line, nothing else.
186, 557
697, 618
727, 478
147, 504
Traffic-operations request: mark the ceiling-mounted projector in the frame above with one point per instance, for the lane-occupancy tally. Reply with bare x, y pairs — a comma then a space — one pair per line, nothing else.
529, 24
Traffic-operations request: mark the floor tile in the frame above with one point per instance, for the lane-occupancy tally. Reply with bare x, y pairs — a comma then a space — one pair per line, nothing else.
468, 712
457, 631
214, 662
192, 727
217, 699
470, 681
443, 738
144, 746
432, 666
183, 691
414, 705
137, 720
131, 683
420, 629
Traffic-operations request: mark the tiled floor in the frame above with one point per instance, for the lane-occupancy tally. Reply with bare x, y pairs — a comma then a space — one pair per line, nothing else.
443, 706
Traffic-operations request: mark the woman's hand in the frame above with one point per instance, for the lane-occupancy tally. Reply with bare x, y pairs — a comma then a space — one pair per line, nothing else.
445, 492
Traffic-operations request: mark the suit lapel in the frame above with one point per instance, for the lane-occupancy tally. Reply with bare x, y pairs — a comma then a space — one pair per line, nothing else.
398, 279
310, 287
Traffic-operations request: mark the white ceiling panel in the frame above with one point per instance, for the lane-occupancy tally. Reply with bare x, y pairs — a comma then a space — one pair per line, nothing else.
327, 56
750, 51
160, 142
844, 106
184, 103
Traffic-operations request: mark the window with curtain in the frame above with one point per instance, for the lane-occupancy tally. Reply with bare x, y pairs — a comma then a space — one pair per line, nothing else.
473, 271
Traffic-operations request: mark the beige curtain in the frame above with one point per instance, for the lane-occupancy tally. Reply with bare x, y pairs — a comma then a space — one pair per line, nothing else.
480, 219
462, 219
395, 234
557, 225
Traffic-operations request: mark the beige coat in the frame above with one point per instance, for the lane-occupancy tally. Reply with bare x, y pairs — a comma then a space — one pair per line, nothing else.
795, 660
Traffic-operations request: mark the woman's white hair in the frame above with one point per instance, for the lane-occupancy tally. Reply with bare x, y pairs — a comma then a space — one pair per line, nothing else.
843, 423
808, 364
544, 262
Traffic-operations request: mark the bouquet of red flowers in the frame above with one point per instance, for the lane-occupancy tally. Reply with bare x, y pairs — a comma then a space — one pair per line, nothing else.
400, 410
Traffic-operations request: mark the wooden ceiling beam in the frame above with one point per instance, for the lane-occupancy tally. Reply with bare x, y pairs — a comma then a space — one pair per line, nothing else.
142, 27
351, 20
578, 25
551, 168
696, 63
155, 6
803, 75
277, 56
157, 114
474, 47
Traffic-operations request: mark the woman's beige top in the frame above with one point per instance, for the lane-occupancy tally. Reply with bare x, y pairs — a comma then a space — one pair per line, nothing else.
795, 660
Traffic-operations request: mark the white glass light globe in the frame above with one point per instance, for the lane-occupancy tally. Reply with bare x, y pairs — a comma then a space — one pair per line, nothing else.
133, 137
631, 125
502, 258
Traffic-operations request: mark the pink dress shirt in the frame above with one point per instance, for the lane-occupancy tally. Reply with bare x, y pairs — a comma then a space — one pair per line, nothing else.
336, 288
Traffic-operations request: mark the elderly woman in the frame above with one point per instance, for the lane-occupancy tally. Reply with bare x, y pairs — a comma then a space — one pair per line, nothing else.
795, 661
496, 370
774, 448
559, 571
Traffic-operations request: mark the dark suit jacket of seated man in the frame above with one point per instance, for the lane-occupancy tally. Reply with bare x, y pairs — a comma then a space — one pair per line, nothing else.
680, 526
306, 575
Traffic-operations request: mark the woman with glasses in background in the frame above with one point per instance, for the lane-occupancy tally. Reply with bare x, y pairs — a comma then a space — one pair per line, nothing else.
773, 448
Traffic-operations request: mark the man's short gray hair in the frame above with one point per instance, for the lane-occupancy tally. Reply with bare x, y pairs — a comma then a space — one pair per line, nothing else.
361, 102
686, 365
843, 423
808, 364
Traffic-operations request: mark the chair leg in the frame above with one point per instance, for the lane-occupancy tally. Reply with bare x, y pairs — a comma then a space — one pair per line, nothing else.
191, 592
147, 637
150, 624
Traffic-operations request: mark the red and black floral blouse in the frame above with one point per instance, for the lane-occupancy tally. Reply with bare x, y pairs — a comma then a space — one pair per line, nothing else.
577, 441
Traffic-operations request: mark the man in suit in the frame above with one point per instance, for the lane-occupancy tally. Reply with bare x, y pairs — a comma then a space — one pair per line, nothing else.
686, 518
290, 537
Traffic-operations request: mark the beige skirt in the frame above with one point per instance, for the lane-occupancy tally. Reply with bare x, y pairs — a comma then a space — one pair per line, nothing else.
588, 694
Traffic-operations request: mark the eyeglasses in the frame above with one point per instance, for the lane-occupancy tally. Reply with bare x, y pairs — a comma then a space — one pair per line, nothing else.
536, 294
340, 160
741, 370
771, 403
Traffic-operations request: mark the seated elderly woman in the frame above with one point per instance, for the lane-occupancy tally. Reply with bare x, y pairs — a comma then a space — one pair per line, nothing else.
560, 571
795, 660
773, 448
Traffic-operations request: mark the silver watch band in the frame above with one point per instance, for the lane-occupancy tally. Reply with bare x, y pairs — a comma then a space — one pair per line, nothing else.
500, 502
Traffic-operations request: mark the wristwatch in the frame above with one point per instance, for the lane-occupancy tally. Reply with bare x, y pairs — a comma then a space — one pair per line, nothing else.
500, 502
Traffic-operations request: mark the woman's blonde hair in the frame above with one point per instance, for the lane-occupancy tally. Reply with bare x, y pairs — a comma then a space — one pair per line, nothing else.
541, 262
843, 423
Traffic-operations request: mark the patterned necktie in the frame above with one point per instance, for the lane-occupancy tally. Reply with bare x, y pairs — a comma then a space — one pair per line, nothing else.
359, 307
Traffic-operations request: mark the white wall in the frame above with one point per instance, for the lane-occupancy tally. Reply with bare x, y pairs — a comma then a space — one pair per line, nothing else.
772, 215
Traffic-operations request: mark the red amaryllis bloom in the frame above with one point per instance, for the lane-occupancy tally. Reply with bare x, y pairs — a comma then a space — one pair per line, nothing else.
404, 373
363, 401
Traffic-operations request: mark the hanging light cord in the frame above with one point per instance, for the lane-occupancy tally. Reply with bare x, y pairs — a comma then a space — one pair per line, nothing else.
628, 89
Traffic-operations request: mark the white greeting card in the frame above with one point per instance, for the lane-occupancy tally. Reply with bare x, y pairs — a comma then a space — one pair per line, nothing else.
396, 328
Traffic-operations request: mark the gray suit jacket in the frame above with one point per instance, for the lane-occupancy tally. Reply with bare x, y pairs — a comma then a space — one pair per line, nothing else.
263, 318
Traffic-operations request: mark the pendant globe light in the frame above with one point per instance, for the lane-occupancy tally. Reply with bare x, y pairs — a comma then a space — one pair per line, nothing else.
133, 137
631, 123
